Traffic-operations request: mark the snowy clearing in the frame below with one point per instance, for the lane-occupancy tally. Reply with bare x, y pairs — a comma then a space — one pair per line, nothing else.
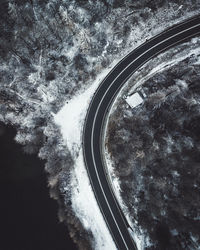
71, 120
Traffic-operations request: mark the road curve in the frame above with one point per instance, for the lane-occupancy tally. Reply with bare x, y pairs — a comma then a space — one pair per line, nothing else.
98, 108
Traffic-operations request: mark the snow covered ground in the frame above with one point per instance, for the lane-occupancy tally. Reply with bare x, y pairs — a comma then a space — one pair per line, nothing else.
161, 63
88, 35
138, 238
71, 120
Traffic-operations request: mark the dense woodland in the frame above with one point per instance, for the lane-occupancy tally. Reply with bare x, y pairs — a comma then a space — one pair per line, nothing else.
49, 50
156, 150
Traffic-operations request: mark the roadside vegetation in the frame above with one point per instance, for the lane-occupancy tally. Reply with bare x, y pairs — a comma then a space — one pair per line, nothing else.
156, 152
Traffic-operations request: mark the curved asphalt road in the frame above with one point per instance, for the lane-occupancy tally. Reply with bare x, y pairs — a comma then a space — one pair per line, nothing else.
99, 106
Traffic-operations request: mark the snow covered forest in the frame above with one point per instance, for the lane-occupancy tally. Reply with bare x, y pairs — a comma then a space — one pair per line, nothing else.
53, 50
156, 151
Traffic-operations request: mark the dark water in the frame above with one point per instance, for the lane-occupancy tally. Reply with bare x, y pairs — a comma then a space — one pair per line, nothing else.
28, 217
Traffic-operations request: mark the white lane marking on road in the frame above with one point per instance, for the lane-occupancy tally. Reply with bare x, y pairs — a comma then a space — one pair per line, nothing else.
152, 38
120, 85
145, 61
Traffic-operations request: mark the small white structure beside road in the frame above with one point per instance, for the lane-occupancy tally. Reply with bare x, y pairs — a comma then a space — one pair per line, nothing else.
134, 100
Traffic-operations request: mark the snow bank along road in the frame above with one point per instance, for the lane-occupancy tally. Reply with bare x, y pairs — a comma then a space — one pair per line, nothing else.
99, 106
